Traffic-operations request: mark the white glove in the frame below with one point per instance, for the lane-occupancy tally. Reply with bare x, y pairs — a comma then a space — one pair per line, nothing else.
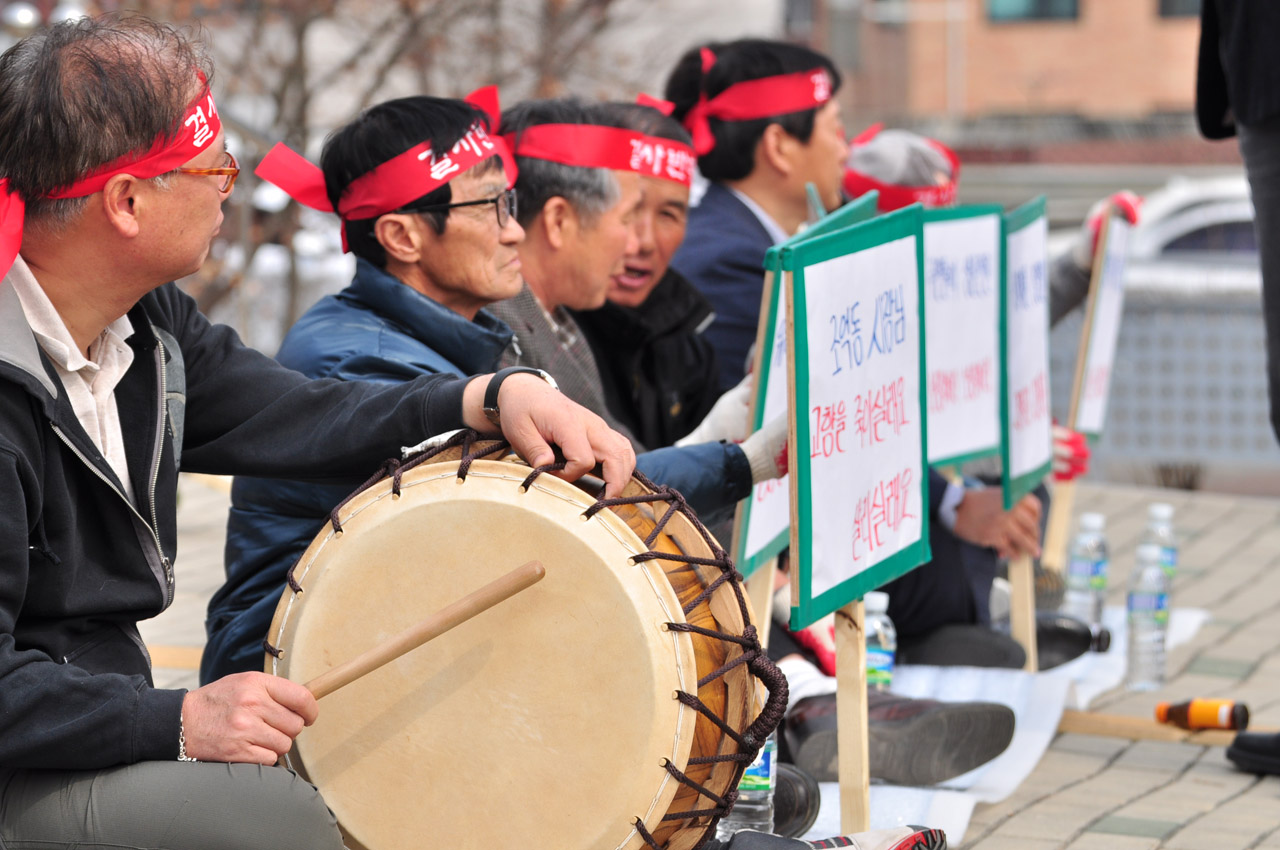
728, 420
766, 451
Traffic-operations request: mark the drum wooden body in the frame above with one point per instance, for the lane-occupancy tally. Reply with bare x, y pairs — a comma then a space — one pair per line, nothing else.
554, 719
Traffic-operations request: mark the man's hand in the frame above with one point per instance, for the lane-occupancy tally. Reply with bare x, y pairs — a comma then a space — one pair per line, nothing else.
982, 520
534, 416
247, 717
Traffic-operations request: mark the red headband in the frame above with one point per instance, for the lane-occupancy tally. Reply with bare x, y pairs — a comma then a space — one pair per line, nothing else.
200, 125
401, 179
752, 99
894, 196
592, 146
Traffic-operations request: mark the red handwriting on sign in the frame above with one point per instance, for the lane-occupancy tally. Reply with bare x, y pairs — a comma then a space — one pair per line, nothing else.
880, 513
948, 387
828, 430
765, 489
1096, 380
1031, 403
880, 413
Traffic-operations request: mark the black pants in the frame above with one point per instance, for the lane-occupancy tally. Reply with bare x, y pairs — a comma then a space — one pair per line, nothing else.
1260, 147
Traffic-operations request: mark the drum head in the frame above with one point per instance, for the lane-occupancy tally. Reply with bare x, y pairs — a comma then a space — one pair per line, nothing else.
543, 722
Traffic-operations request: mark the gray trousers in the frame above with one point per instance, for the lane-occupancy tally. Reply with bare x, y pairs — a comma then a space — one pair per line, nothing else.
1260, 147
163, 805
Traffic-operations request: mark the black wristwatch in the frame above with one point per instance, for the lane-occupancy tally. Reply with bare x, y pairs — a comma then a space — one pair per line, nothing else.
491, 411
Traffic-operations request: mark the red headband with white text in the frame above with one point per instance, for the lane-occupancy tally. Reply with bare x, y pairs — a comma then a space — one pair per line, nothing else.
753, 99
894, 196
388, 187
593, 146
200, 125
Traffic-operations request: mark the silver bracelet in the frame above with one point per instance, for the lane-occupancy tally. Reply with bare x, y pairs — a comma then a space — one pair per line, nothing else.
182, 743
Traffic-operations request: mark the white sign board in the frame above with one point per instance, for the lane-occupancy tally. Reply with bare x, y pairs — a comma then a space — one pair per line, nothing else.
1108, 310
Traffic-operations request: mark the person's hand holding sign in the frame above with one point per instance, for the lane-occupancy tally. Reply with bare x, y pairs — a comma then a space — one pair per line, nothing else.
982, 520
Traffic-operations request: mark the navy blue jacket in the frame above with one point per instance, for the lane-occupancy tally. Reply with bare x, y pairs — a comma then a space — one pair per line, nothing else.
723, 256
378, 329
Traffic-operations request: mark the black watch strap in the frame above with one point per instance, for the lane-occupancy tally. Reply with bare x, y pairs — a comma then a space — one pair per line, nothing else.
491, 411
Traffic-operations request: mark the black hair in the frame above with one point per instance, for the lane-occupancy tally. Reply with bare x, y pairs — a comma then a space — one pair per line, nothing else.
591, 191
84, 93
733, 157
643, 119
383, 132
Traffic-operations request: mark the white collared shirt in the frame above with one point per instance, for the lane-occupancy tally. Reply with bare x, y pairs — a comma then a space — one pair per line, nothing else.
90, 382
775, 231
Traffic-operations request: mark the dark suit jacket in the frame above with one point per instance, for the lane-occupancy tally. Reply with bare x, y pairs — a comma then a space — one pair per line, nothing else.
723, 256
1238, 75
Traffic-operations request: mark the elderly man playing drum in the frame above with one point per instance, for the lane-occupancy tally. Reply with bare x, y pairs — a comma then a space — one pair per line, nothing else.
113, 170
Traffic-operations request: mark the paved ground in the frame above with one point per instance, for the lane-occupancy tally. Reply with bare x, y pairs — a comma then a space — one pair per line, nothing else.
1088, 793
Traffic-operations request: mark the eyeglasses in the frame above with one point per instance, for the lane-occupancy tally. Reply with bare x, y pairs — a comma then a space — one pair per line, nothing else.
504, 204
228, 172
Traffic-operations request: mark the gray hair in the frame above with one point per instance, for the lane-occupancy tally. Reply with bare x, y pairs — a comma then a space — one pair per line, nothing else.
84, 93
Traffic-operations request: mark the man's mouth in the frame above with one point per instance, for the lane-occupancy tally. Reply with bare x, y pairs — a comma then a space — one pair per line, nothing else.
633, 277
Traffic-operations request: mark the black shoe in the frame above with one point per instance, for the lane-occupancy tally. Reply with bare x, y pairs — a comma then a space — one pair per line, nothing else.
894, 838
1256, 752
912, 742
796, 801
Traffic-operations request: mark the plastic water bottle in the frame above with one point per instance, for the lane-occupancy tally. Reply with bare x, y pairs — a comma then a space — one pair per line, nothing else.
882, 641
1087, 571
1160, 532
754, 809
1148, 610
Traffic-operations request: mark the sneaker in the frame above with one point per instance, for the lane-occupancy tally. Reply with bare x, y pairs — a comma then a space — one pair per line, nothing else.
796, 800
895, 838
912, 742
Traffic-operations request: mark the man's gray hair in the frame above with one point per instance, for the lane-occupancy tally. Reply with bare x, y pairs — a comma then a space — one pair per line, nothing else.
84, 93
591, 191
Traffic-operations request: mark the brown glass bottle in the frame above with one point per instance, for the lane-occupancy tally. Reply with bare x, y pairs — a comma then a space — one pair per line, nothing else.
1204, 714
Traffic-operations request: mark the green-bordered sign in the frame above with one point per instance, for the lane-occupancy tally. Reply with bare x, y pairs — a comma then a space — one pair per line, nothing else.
1027, 438
1102, 328
962, 343
860, 498
766, 516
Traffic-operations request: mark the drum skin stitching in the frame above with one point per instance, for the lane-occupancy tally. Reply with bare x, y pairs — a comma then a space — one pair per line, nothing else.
753, 655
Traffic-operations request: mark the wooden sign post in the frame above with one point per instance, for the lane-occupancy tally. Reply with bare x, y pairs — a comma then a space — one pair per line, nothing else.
859, 501
1027, 444
1091, 386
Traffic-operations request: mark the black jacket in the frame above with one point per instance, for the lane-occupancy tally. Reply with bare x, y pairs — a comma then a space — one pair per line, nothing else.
660, 373
80, 565
1237, 75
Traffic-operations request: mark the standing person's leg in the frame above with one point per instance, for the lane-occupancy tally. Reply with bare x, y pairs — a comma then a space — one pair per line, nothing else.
1260, 147
163, 805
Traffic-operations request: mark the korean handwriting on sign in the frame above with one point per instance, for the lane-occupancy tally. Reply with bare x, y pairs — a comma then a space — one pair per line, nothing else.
949, 278
882, 509
890, 327
948, 387
846, 338
941, 282
828, 430
199, 119
1097, 380
880, 412
1031, 403
1030, 287
977, 275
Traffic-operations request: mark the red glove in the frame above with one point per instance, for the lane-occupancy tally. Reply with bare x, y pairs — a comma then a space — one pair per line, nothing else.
1125, 203
1070, 454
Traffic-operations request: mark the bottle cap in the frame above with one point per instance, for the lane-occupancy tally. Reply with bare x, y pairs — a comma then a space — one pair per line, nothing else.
1162, 712
1149, 552
1160, 511
876, 601
1092, 522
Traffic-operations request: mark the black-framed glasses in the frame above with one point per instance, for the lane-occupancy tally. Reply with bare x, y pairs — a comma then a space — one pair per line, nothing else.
228, 172
504, 205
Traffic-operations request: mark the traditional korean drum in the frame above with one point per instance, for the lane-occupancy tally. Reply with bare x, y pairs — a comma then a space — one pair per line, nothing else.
614, 704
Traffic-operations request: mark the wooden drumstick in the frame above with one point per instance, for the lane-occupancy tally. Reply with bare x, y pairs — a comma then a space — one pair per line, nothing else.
446, 618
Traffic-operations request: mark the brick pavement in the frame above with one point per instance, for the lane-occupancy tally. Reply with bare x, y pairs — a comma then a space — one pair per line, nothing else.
1087, 793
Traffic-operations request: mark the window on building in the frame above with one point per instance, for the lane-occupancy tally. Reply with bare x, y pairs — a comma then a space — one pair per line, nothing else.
1179, 8
1032, 10
797, 20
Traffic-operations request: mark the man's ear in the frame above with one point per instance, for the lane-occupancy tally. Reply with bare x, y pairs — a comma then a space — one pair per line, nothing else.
776, 150
402, 236
122, 204
560, 221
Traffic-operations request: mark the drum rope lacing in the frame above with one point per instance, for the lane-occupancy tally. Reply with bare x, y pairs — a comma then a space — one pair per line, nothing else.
753, 655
